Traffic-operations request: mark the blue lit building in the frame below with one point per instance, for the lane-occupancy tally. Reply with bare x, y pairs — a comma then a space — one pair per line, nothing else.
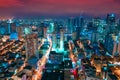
14, 36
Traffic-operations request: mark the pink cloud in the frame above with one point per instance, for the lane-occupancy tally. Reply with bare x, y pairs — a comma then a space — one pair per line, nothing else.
60, 7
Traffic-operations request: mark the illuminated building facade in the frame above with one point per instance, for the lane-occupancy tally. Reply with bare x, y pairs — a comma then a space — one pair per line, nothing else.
20, 31
74, 35
116, 47
31, 45
62, 39
78, 30
70, 28
110, 23
13, 27
54, 41
45, 32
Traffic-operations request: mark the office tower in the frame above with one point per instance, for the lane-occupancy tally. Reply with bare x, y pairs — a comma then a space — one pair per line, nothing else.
2, 30
79, 21
74, 35
62, 39
116, 46
78, 30
56, 27
78, 26
65, 36
20, 31
13, 27
9, 28
109, 43
96, 22
45, 32
110, 23
94, 37
54, 39
70, 27
9, 22
31, 45
51, 27
90, 26
4, 25
82, 22
110, 18
40, 31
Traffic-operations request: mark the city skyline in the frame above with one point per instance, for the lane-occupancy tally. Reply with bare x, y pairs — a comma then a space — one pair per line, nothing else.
57, 8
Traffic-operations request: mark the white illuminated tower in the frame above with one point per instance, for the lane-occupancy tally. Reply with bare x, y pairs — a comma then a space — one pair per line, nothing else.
54, 41
61, 39
9, 25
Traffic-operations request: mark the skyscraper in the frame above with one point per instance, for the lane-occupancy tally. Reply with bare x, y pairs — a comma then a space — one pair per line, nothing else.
45, 32
20, 31
78, 30
31, 45
110, 18
61, 39
70, 27
110, 23
116, 47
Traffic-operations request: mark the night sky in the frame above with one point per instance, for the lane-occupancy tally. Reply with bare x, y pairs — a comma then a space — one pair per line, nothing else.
22, 8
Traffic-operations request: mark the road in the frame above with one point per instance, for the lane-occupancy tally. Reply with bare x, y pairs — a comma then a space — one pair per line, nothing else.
41, 63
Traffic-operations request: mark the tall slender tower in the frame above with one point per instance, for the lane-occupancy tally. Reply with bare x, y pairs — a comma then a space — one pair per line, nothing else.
20, 31
54, 41
119, 43
9, 25
70, 28
61, 39
45, 32
116, 46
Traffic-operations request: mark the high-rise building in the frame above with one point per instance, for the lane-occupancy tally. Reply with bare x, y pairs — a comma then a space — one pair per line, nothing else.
78, 30
40, 31
20, 31
45, 32
110, 18
51, 27
70, 27
13, 27
75, 23
54, 41
56, 27
79, 21
31, 45
61, 39
96, 22
74, 35
10, 23
109, 43
116, 46
110, 23
5, 25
